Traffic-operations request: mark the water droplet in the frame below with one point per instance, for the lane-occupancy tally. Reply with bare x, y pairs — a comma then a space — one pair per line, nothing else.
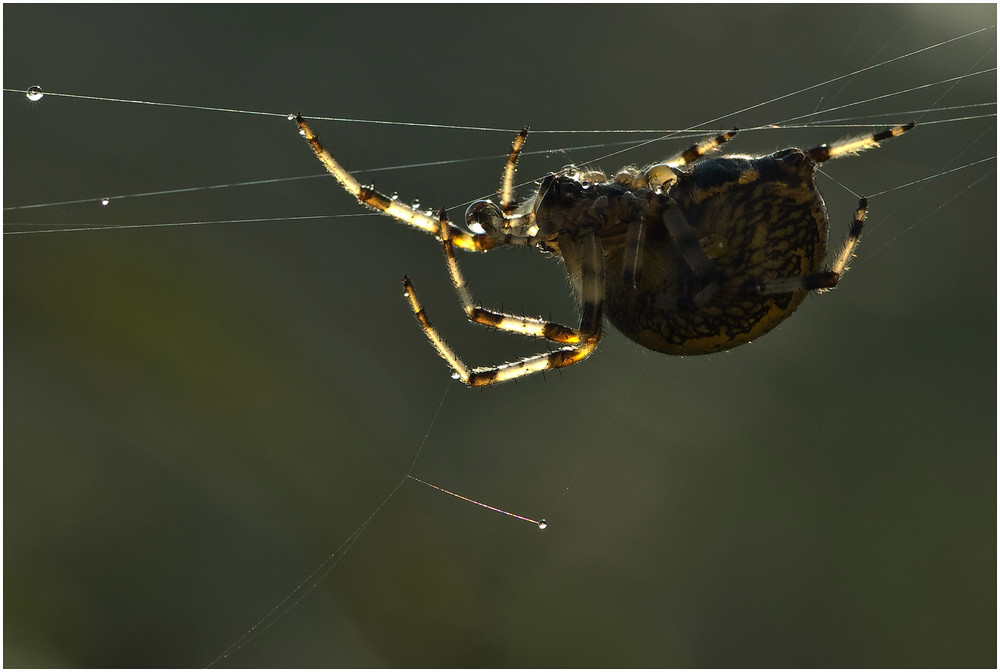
105, 200
302, 133
406, 294
455, 375
415, 204
34, 93
291, 117
395, 196
542, 524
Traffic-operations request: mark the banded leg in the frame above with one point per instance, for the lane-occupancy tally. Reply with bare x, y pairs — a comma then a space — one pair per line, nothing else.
392, 207
529, 326
696, 151
843, 258
856, 144
588, 263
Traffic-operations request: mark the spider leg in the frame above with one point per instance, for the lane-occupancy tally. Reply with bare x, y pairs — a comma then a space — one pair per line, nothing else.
529, 326
856, 144
392, 207
696, 151
585, 258
507, 203
853, 238
694, 256
635, 236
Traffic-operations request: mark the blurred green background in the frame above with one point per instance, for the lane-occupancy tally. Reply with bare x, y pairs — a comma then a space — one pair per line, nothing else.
195, 417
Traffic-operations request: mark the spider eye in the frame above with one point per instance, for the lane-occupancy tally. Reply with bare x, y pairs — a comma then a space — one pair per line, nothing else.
484, 217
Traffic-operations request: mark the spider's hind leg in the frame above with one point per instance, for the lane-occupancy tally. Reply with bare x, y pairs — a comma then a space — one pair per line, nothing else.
856, 144
853, 238
821, 280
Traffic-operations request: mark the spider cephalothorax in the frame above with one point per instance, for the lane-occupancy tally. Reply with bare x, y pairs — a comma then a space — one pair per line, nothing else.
684, 257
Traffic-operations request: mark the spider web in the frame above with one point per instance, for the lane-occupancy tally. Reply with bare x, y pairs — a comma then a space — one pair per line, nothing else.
196, 415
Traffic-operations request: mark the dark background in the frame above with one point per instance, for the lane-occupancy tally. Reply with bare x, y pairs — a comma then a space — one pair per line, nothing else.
194, 417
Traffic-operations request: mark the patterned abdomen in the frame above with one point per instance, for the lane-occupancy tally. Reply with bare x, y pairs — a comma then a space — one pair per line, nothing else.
758, 220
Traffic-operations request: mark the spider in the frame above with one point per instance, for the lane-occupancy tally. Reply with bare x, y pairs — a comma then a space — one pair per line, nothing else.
685, 257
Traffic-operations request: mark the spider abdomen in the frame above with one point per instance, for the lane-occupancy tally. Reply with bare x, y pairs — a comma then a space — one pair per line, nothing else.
757, 220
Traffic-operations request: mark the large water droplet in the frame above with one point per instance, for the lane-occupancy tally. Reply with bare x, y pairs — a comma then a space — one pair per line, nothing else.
105, 200
34, 93
455, 375
542, 524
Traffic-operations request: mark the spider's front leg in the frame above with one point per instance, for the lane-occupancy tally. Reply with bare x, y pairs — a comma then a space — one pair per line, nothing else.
390, 206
